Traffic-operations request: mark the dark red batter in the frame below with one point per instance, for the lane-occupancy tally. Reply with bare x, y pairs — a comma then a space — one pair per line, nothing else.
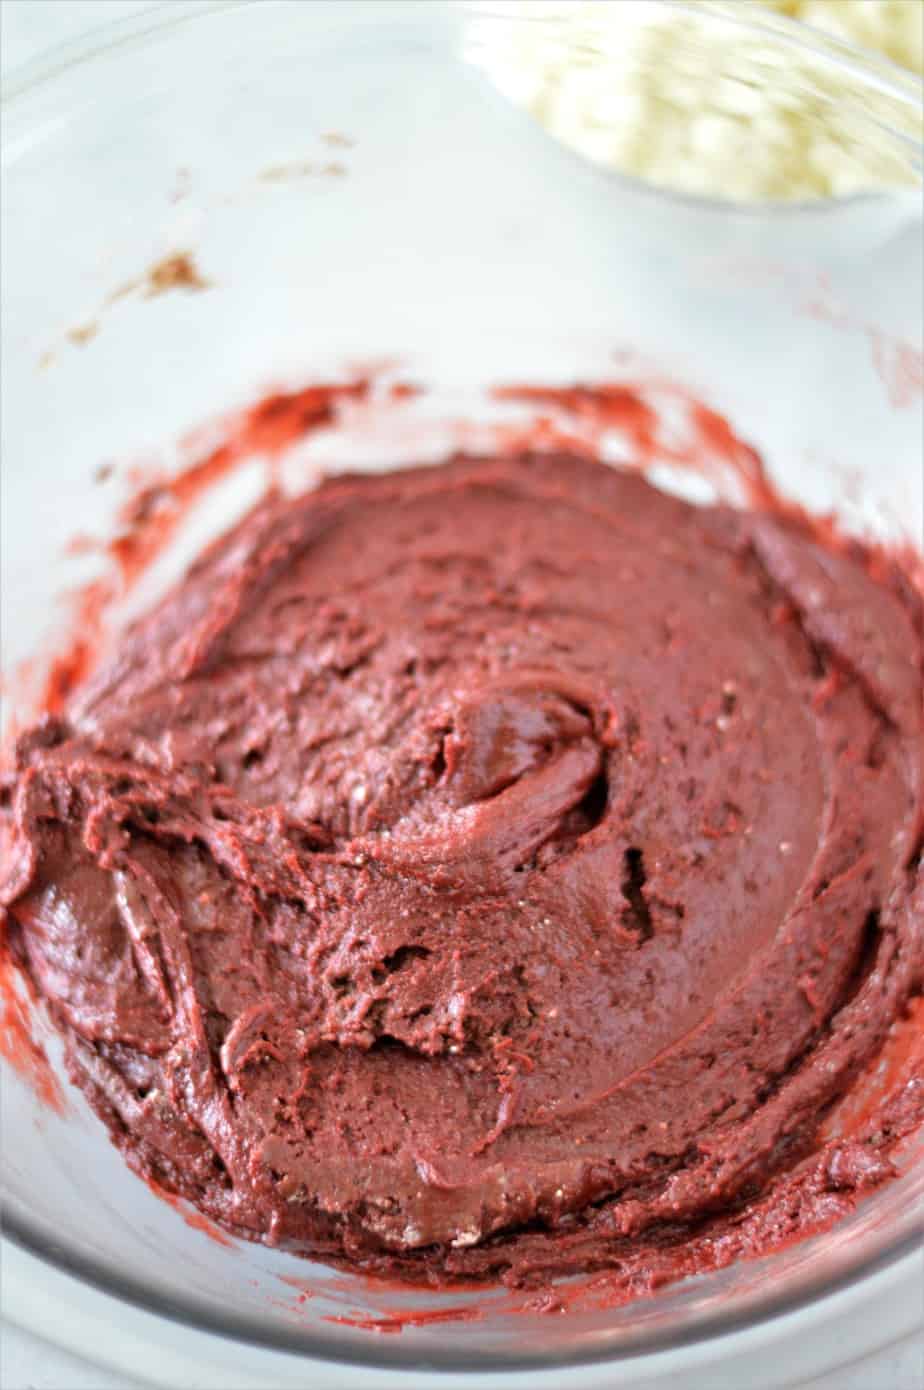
495, 868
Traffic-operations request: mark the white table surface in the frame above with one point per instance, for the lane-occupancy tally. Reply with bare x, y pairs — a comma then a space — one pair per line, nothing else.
27, 1362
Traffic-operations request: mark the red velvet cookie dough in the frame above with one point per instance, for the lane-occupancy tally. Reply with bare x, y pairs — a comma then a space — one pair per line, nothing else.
472, 869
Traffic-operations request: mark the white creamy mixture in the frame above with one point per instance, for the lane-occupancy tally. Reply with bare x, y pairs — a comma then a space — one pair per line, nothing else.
710, 108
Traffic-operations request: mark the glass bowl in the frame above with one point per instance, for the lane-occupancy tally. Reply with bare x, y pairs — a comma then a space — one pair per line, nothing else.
355, 200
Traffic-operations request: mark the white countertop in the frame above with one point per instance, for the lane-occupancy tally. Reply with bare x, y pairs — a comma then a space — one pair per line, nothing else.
27, 1362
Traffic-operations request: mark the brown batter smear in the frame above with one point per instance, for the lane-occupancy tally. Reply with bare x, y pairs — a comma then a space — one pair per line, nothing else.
300, 169
177, 271
283, 173
84, 333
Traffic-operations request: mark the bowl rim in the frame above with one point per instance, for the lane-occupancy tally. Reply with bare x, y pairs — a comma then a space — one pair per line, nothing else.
107, 41
253, 1332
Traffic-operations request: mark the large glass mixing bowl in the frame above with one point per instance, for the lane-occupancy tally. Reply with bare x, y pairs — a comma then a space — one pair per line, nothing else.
353, 190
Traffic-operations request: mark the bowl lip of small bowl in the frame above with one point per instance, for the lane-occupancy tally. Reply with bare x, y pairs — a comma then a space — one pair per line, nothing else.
107, 40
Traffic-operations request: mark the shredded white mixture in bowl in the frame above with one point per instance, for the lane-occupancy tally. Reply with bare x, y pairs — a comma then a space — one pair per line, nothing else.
689, 98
